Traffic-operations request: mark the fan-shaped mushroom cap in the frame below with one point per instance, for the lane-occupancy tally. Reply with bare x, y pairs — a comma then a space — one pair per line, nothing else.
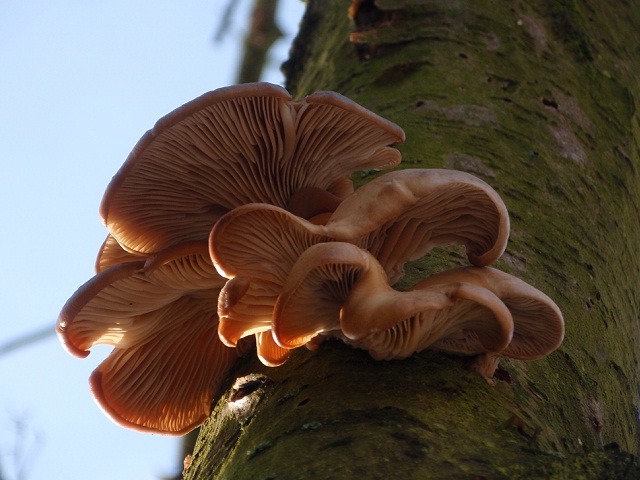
160, 315
402, 215
256, 254
104, 310
244, 308
165, 382
317, 286
261, 241
538, 323
237, 145
339, 289
473, 312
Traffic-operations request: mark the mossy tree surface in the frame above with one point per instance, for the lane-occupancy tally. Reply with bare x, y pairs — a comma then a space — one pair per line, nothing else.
538, 99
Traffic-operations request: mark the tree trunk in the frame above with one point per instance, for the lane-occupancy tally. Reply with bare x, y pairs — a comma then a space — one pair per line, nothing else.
538, 99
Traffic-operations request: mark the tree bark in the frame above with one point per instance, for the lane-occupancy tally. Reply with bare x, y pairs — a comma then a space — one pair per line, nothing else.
538, 99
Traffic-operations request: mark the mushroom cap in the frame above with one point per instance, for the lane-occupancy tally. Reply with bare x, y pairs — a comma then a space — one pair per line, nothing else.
244, 308
82, 322
402, 215
474, 321
237, 145
107, 308
261, 241
338, 289
166, 382
160, 315
255, 246
538, 323
313, 293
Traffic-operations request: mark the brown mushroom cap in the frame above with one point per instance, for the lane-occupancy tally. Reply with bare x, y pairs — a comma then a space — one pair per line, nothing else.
237, 145
261, 241
338, 289
85, 319
244, 308
160, 315
538, 322
165, 382
313, 293
255, 246
475, 321
402, 215
107, 308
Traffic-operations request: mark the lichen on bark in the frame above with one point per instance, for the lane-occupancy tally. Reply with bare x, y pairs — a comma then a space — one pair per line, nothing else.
538, 99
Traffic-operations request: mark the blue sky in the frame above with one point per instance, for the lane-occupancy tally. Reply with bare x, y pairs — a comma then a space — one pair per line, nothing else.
80, 83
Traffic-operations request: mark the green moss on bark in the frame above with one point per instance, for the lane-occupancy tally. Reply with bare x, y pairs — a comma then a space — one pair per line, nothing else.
538, 99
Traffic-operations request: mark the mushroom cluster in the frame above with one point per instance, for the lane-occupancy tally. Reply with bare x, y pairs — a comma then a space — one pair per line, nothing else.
301, 281
235, 218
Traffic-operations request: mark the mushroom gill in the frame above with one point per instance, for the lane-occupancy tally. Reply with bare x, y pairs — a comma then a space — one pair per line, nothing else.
410, 212
159, 315
164, 381
237, 145
235, 216
337, 289
399, 216
538, 323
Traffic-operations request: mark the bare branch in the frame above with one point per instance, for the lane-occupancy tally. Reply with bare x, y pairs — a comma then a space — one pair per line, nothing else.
27, 339
263, 32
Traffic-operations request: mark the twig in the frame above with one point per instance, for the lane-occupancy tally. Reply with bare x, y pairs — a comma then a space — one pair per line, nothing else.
263, 32
26, 340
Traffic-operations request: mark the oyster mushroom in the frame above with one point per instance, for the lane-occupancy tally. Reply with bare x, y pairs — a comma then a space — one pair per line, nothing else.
399, 216
538, 323
402, 215
338, 289
159, 315
237, 145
